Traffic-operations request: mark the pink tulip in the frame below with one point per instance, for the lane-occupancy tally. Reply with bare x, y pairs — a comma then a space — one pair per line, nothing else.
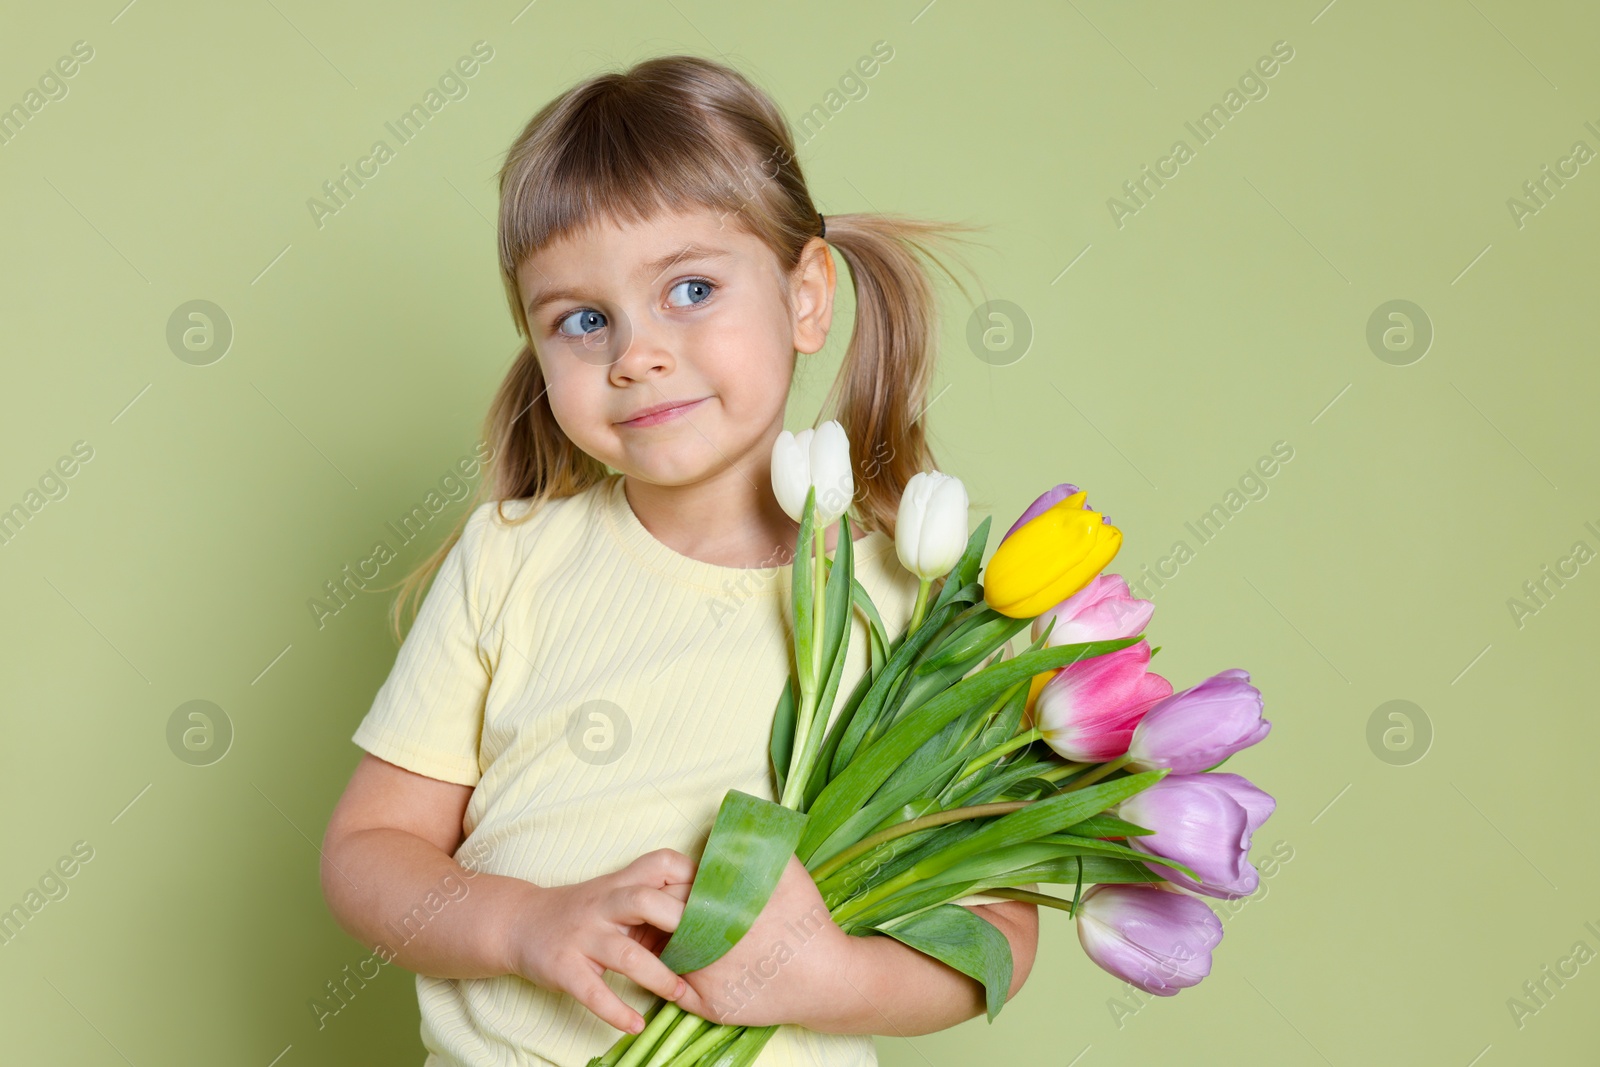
1203, 821
1103, 610
1087, 711
1197, 729
1045, 501
1157, 939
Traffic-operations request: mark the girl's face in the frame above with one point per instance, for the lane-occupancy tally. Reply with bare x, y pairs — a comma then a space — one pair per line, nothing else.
680, 310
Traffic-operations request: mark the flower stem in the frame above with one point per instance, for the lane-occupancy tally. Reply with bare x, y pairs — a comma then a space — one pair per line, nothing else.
1027, 737
679, 1034
819, 576
793, 785
921, 606
1031, 897
650, 1035
712, 1040
804, 755
1096, 774
911, 826
1062, 771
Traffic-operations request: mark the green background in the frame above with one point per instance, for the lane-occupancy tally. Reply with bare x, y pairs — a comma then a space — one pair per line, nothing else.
1228, 313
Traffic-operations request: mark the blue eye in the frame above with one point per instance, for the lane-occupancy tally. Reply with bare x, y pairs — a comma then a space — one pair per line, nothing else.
699, 284
589, 321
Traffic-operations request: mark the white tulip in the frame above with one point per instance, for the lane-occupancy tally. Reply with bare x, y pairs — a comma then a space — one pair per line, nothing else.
819, 458
931, 528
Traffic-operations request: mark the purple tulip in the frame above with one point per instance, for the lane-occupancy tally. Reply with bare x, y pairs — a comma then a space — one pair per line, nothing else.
1157, 939
1203, 821
1201, 726
1103, 610
1047, 500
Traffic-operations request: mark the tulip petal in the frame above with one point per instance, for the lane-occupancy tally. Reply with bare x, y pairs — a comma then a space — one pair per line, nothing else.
831, 471
1087, 711
944, 534
909, 520
1048, 559
1103, 610
1200, 727
791, 471
1198, 823
1046, 500
1160, 940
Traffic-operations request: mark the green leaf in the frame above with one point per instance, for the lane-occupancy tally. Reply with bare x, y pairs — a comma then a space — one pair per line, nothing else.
1107, 826
986, 865
965, 572
878, 649
907, 904
905, 785
974, 642
1088, 846
972, 945
836, 631
749, 846
1096, 869
803, 592
743, 1049
993, 782
849, 790
915, 686
879, 864
1045, 816
783, 725
995, 865
842, 721
902, 657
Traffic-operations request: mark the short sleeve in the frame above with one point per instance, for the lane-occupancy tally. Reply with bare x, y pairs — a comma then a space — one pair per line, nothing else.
428, 715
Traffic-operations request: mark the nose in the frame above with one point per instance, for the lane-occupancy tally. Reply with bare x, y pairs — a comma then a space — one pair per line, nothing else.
643, 350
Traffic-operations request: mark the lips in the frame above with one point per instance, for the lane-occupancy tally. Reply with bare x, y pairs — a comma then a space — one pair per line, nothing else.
660, 412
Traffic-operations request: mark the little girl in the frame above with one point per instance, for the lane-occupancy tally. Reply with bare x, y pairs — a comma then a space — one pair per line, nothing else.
597, 659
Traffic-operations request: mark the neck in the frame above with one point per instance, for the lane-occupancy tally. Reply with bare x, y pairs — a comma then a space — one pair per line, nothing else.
729, 519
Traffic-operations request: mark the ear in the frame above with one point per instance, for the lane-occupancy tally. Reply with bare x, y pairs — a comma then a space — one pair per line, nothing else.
811, 295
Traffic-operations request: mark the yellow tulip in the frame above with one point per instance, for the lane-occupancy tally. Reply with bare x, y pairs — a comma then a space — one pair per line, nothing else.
1049, 558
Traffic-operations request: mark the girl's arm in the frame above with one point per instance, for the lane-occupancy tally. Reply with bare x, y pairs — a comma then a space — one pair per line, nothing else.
897, 991
390, 879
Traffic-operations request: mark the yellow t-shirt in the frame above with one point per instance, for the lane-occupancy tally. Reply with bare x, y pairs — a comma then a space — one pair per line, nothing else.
602, 692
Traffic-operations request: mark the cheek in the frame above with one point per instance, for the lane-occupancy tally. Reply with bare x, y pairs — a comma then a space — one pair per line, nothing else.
751, 365
572, 399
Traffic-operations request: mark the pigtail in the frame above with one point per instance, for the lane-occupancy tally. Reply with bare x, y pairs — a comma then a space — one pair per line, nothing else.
881, 393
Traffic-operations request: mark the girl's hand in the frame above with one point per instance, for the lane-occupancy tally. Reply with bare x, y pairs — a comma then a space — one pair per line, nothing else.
567, 937
787, 968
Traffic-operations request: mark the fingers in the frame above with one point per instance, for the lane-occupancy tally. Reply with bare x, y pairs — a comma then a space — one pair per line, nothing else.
636, 904
588, 989
629, 958
651, 938
694, 1004
664, 866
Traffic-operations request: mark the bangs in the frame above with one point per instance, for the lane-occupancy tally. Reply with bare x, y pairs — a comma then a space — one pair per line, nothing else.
628, 153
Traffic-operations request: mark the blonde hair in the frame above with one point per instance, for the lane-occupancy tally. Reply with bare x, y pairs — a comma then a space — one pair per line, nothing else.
670, 132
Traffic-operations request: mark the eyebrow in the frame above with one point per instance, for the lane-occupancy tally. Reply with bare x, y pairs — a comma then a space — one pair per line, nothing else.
659, 265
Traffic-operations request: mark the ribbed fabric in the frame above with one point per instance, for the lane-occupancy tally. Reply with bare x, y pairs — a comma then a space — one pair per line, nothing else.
602, 692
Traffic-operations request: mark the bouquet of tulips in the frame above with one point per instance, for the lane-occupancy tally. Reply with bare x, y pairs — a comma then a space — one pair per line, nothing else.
1070, 762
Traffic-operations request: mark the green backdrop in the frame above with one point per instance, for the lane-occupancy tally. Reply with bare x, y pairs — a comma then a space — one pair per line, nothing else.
183, 499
